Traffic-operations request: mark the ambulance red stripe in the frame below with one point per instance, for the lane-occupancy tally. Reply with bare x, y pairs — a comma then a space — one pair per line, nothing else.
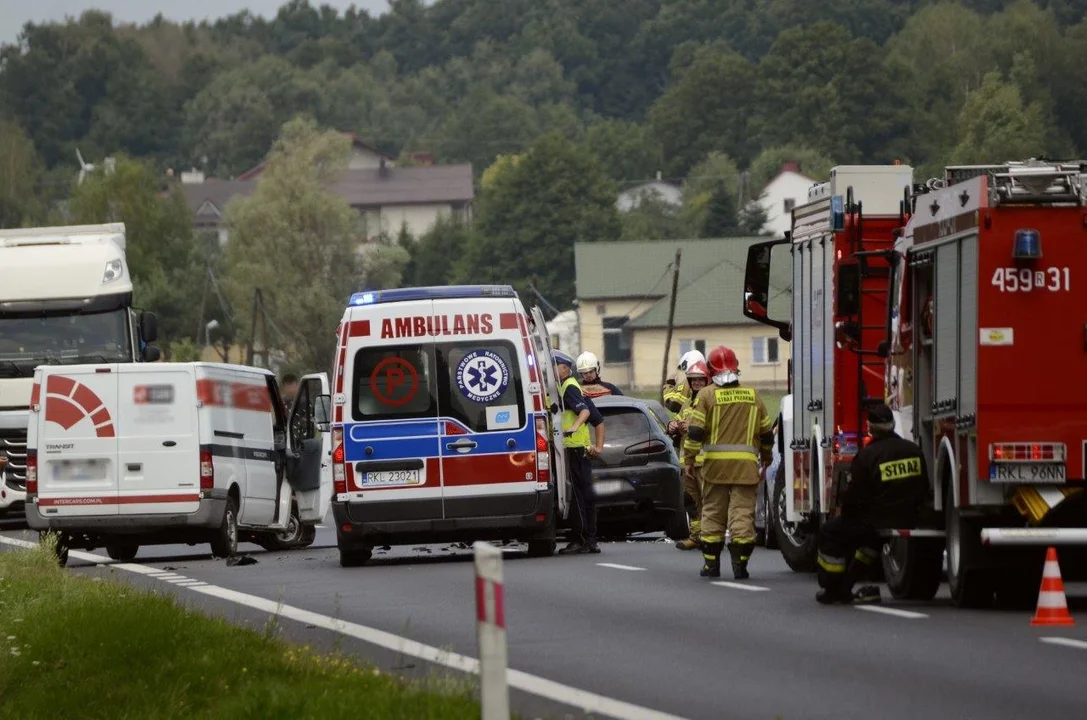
358, 328
507, 321
463, 470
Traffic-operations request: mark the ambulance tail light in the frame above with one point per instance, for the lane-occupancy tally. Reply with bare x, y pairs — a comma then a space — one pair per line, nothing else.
1028, 452
31, 473
543, 454
207, 469
339, 472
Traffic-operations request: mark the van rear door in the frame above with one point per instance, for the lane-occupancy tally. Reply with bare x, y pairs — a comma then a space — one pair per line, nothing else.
488, 434
159, 454
312, 486
76, 440
546, 367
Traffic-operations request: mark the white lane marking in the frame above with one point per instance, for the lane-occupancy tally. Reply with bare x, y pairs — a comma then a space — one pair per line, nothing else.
1067, 642
587, 702
739, 586
891, 611
171, 577
619, 567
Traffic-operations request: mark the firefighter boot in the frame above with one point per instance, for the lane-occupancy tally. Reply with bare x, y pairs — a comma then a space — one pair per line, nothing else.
711, 559
868, 594
740, 553
692, 542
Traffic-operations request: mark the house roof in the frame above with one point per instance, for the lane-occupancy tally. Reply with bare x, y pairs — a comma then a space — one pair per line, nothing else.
254, 172
216, 192
639, 269
715, 295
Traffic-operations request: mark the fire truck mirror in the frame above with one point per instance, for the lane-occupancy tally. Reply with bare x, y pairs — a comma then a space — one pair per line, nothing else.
756, 300
849, 296
883, 349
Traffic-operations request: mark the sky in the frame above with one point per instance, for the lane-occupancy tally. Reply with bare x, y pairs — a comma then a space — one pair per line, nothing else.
15, 13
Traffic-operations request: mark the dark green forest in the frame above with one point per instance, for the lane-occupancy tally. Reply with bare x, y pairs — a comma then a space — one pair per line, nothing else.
593, 95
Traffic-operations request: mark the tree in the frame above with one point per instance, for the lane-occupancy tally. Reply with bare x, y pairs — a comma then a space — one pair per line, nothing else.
534, 212
753, 217
20, 174
995, 125
448, 238
721, 216
166, 265
768, 163
715, 174
297, 242
625, 150
654, 218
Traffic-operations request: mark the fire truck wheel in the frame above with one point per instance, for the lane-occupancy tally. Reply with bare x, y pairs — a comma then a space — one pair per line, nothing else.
770, 537
971, 586
913, 568
797, 546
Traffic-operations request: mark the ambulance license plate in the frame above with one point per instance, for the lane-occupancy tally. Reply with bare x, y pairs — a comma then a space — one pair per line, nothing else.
377, 478
1024, 472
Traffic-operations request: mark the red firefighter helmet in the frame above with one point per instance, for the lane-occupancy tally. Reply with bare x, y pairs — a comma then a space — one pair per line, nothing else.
697, 369
722, 359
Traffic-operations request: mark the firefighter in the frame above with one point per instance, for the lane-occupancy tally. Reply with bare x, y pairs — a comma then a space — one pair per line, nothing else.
887, 488
698, 375
676, 393
730, 425
588, 367
575, 418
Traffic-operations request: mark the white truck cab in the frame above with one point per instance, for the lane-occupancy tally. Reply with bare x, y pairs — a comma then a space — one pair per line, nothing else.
130, 454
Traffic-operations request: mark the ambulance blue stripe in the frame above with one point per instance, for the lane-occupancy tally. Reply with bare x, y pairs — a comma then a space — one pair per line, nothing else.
402, 447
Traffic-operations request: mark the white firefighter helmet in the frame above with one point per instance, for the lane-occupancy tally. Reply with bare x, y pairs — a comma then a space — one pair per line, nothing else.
690, 357
586, 361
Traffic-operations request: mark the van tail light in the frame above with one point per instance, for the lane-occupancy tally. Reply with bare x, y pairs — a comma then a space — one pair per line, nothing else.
339, 472
543, 454
31, 473
207, 469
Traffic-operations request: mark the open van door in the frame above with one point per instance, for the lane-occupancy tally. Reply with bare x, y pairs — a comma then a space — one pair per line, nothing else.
310, 472
546, 368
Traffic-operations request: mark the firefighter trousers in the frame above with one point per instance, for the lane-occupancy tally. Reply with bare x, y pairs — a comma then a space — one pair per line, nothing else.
729, 507
847, 548
692, 499
584, 500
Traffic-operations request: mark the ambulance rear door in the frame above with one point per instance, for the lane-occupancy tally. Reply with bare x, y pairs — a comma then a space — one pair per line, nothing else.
75, 412
391, 418
553, 398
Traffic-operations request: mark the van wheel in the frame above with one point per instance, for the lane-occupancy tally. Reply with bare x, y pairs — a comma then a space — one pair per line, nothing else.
286, 539
355, 557
309, 534
225, 543
541, 548
122, 552
60, 546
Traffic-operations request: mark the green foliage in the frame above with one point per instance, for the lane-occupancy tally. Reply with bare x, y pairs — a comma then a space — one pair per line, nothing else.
766, 166
183, 350
653, 218
300, 244
20, 174
449, 238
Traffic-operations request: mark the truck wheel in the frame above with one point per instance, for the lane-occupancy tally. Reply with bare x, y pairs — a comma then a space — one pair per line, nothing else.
225, 543
122, 552
356, 556
797, 547
913, 567
970, 585
771, 537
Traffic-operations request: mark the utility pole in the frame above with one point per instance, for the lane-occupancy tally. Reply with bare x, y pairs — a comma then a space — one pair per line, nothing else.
671, 314
252, 327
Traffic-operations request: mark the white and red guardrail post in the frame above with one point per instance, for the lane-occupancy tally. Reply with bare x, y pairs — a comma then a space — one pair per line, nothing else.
491, 628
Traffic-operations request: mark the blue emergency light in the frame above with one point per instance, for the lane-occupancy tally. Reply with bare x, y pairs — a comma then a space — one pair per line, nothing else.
1028, 244
449, 292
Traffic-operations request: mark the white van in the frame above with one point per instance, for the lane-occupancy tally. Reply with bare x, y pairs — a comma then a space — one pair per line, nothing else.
445, 420
130, 454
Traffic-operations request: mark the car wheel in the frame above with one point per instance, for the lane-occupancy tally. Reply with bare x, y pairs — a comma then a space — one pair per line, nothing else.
355, 556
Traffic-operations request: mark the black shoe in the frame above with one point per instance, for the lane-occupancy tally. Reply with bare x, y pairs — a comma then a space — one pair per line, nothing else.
575, 548
739, 571
829, 597
711, 569
868, 595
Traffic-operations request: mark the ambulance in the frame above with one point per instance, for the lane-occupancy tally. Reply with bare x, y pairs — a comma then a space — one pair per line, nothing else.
129, 454
446, 422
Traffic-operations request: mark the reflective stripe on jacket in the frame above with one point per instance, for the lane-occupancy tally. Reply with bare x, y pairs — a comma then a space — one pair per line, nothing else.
735, 431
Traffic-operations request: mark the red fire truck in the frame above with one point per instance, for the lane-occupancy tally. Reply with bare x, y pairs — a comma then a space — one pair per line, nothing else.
960, 311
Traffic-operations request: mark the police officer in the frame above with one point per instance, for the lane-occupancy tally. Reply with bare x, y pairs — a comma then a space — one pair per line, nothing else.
730, 425
676, 393
698, 375
575, 416
888, 485
588, 367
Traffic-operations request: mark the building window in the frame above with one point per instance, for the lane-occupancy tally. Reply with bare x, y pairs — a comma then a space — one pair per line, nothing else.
789, 204
685, 346
764, 351
616, 341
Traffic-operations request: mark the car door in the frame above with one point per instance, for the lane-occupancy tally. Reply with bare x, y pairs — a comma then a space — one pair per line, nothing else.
311, 478
546, 368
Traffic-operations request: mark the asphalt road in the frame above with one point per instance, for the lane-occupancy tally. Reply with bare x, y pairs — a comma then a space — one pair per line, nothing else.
636, 624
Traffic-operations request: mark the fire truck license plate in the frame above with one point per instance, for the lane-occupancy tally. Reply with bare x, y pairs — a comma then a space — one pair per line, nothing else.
1039, 473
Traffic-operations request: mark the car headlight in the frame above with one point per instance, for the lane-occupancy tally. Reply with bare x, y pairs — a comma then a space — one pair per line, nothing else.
114, 269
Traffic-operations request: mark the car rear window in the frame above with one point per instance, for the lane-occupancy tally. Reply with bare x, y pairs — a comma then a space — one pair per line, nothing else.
482, 385
394, 383
621, 423
659, 413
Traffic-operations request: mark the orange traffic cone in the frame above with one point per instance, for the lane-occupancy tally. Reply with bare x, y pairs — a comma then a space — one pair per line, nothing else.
1052, 604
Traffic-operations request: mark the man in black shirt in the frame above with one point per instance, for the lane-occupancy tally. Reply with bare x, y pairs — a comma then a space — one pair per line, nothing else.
887, 487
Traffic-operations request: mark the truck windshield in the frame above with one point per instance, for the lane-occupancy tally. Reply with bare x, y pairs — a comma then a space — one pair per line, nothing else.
26, 342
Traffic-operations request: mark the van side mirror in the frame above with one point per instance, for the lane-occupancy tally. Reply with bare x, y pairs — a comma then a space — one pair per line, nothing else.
151, 353
149, 328
756, 300
322, 412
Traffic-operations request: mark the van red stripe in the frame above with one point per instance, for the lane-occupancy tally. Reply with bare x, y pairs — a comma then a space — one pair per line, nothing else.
118, 500
507, 321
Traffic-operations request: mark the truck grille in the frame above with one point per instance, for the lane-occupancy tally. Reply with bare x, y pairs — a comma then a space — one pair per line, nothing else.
13, 447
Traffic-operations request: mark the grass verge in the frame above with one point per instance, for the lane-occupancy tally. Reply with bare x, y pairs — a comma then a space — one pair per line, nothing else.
73, 646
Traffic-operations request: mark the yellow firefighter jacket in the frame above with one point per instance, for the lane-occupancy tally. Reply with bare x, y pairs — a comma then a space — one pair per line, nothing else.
689, 446
731, 427
678, 394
